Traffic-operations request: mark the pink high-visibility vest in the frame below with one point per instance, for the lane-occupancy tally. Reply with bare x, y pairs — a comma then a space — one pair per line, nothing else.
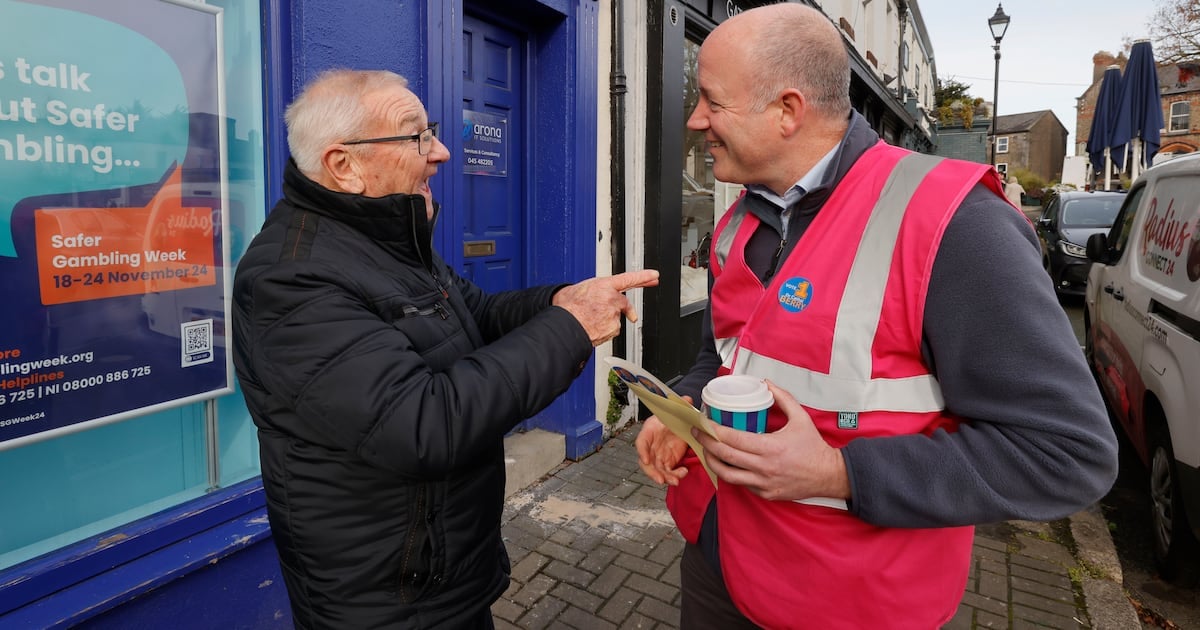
839, 327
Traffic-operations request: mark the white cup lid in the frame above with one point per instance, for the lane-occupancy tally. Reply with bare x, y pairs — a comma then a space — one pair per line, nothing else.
737, 392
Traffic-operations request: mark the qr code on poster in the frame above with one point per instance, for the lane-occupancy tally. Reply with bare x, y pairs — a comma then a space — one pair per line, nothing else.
196, 342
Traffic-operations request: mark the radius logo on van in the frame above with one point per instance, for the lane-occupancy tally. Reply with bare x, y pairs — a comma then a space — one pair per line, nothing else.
1165, 238
1193, 259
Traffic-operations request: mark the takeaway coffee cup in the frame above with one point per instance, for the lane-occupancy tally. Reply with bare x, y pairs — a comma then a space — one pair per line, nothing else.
738, 401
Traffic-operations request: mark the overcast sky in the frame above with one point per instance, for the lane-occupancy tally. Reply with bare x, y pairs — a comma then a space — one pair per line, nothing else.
1046, 55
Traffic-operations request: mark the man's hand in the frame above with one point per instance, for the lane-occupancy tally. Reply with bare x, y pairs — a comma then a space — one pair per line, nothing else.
659, 451
599, 302
792, 463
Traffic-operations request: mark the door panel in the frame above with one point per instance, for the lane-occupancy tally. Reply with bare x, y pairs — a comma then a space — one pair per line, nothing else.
1122, 309
491, 163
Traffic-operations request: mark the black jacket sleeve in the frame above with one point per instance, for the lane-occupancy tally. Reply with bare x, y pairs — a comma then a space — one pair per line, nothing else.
498, 313
359, 383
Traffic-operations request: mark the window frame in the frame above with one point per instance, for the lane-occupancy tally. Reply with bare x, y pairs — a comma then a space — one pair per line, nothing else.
1185, 118
216, 454
1124, 224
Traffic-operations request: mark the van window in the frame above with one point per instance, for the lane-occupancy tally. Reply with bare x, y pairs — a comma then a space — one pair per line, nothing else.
1118, 237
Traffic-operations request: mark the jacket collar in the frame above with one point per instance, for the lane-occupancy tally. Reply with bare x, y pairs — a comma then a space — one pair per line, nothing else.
398, 223
858, 138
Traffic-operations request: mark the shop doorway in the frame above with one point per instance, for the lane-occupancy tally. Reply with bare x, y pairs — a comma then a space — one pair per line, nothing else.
492, 159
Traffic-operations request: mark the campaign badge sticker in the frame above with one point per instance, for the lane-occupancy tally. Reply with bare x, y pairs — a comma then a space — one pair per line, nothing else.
795, 294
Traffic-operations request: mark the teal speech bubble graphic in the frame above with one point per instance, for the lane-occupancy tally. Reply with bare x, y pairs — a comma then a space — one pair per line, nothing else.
85, 104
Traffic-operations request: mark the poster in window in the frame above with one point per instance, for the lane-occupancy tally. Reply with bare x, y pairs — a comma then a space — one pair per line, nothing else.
485, 144
113, 212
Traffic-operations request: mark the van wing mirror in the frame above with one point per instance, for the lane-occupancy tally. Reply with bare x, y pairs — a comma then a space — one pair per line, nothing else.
1097, 248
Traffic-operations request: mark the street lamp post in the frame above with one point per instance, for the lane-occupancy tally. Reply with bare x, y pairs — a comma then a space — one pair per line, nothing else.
998, 23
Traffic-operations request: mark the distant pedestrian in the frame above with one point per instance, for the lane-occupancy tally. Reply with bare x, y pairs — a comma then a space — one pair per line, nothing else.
1013, 191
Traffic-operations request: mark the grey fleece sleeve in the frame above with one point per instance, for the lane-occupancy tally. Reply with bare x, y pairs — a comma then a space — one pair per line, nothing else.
1034, 441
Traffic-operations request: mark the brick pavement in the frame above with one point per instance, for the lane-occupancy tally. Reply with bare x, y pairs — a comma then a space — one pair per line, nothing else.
593, 547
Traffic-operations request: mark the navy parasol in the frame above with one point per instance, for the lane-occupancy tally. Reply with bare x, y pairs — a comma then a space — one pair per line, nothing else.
1100, 147
1139, 115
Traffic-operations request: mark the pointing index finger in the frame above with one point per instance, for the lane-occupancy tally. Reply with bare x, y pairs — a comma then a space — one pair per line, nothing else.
634, 279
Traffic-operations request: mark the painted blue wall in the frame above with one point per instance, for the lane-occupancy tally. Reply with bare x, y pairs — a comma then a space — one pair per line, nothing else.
187, 565
241, 590
366, 34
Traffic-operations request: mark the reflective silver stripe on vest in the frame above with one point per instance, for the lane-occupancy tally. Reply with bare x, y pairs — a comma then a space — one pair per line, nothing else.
725, 238
725, 349
727, 346
848, 386
917, 394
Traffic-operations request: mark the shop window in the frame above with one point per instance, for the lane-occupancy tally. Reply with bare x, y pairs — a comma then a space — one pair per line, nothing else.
1181, 114
696, 193
67, 487
703, 198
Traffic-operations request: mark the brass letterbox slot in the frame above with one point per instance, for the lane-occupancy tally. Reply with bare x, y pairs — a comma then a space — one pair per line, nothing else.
478, 248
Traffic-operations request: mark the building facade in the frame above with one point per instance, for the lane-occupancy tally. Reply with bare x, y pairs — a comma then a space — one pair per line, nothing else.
958, 141
1033, 141
1179, 86
141, 515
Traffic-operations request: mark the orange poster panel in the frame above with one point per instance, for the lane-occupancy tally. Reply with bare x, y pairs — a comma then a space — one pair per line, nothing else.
92, 253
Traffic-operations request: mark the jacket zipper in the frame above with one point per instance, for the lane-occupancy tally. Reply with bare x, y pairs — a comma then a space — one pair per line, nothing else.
774, 267
412, 311
408, 550
428, 264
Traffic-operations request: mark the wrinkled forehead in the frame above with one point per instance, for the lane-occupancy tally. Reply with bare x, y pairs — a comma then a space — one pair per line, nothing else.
398, 110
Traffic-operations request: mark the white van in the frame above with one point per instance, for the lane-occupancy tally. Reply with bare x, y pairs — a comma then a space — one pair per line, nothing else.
1142, 331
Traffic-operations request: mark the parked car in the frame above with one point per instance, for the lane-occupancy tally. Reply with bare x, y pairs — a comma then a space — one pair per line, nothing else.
1142, 338
1068, 218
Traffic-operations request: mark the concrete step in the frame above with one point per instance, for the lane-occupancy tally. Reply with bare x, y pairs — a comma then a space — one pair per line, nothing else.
529, 456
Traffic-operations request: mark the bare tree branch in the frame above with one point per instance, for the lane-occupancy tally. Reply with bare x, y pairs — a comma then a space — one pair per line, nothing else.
1175, 30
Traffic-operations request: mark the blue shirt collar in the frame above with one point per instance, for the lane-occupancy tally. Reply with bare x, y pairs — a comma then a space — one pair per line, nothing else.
810, 180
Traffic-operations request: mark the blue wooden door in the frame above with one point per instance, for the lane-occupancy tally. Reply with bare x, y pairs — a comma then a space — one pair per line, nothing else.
492, 161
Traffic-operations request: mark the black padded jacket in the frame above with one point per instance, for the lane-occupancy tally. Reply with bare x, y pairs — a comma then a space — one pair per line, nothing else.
382, 384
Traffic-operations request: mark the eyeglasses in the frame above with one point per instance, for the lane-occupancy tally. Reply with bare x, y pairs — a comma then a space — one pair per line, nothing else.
424, 139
